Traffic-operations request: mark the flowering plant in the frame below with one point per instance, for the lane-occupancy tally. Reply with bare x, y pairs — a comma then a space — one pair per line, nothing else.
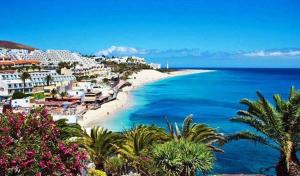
30, 145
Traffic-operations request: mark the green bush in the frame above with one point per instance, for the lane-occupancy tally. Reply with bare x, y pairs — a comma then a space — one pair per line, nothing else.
94, 172
18, 95
39, 95
182, 157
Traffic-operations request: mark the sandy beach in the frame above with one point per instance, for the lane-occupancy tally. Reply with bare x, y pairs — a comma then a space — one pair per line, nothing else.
108, 110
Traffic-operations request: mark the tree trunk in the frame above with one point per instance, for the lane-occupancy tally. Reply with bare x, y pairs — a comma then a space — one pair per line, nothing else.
24, 87
289, 164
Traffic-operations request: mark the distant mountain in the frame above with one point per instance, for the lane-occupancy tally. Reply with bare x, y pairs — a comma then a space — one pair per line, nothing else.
13, 45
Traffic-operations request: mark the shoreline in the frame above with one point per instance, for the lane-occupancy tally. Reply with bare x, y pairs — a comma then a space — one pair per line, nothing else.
109, 110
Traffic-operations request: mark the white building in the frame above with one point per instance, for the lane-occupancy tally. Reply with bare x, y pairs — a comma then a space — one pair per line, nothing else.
155, 66
14, 54
39, 78
11, 83
24, 103
128, 60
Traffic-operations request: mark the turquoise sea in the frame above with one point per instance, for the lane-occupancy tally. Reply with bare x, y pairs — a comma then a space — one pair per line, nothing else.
212, 98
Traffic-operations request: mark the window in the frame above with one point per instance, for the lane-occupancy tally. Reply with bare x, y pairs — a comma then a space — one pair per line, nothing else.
9, 85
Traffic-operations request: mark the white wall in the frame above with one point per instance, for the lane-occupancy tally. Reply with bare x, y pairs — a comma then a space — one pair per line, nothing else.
76, 93
24, 103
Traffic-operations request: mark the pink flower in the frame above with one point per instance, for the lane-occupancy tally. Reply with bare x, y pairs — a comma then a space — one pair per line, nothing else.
13, 162
42, 164
27, 163
4, 129
30, 153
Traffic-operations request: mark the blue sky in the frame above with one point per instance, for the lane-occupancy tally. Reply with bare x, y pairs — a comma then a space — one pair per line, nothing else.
197, 27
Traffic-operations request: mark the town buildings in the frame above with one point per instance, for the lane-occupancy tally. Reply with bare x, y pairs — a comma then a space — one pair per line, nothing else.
12, 82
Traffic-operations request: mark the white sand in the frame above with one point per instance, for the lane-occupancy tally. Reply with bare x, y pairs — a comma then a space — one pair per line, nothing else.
108, 110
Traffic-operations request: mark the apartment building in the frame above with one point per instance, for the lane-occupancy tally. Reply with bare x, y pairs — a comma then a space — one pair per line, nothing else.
39, 78
11, 82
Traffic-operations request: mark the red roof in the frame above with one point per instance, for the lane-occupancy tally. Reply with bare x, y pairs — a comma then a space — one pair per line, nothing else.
19, 62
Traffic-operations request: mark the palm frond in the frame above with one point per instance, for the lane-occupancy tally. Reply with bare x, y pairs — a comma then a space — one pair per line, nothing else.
187, 125
252, 137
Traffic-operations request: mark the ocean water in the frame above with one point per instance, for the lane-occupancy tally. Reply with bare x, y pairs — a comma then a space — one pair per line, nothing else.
212, 98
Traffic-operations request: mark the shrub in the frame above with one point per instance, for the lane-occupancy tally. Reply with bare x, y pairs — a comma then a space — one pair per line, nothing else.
95, 172
18, 95
182, 158
39, 96
30, 146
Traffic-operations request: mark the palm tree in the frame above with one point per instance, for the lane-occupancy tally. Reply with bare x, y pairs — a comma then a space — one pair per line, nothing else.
24, 76
33, 67
137, 142
21, 69
69, 130
48, 79
101, 145
277, 127
196, 132
74, 64
63, 94
182, 157
53, 93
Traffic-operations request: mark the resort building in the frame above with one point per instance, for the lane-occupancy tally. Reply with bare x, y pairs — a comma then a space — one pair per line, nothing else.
14, 54
125, 59
155, 66
11, 83
17, 63
39, 78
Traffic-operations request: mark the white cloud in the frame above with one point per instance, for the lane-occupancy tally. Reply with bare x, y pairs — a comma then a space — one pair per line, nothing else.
278, 53
195, 52
121, 50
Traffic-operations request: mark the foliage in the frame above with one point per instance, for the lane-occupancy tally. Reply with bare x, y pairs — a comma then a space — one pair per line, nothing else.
69, 130
182, 157
196, 132
30, 145
95, 172
115, 165
85, 77
48, 79
63, 94
53, 93
67, 65
100, 145
105, 80
277, 127
39, 95
138, 142
123, 67
166, 70
18, 95
24, 76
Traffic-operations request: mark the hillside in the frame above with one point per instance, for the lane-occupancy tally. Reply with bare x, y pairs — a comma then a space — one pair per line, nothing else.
13, 45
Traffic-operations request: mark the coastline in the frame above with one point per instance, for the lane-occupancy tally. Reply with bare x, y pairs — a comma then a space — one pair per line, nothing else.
111, 109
